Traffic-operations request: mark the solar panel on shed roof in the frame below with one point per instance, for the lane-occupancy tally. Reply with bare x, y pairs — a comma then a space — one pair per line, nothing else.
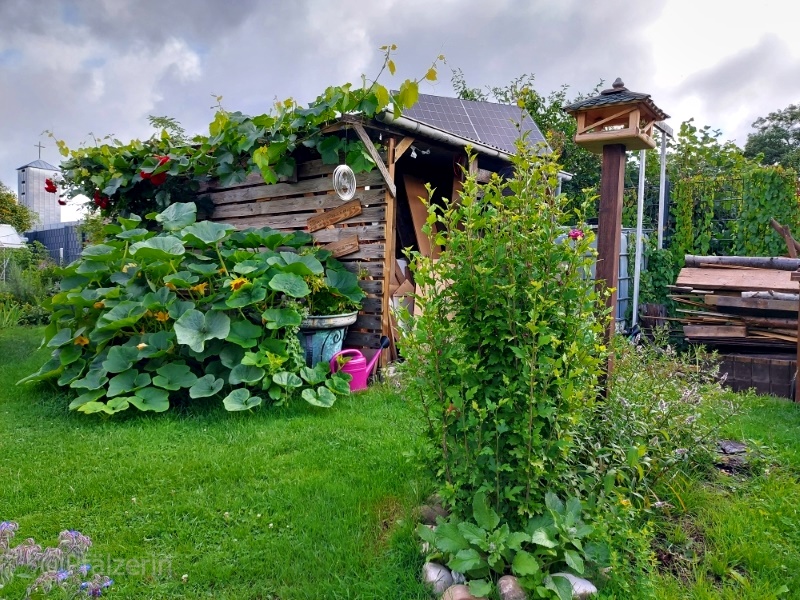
489, 123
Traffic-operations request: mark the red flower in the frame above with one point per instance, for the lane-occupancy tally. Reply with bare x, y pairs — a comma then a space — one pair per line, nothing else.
576, 234
50, 186
159, 178
99, 200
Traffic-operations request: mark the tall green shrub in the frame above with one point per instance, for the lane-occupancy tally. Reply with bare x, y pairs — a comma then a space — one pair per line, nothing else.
505, 358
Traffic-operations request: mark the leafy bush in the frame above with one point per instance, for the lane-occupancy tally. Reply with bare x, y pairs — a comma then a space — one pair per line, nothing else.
505, 358
198, 309
555, 540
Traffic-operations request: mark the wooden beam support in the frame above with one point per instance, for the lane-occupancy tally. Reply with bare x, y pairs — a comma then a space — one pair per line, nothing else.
389, 250
402, 146
601, 122
387, 177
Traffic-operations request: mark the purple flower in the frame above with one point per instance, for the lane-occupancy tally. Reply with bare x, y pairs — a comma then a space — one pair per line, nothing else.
576, 234
84, 569
62, 575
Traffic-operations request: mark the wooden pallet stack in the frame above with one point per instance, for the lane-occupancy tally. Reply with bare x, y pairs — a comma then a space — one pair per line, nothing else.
744, 302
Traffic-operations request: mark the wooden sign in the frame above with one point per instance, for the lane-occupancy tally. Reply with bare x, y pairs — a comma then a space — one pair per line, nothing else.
335, 215
343, 247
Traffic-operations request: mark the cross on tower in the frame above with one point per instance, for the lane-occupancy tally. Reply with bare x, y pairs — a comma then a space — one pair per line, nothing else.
39, 146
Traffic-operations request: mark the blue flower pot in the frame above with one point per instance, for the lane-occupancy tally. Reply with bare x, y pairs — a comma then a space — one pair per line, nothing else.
321, 336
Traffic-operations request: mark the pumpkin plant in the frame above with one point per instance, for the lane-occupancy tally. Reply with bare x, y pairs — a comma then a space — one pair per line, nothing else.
197, 309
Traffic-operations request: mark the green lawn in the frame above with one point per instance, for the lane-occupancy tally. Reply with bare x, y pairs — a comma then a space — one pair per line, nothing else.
302, 503
280, 504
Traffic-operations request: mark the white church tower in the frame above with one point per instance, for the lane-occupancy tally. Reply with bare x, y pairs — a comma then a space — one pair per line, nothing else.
31, 192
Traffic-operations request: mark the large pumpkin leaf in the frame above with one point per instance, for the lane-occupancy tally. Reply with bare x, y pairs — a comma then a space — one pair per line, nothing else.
177, 216
49, 369
59, 339
245, 374
91, 396
322, 397
205, 233
302, 264
281, 317
240, 399
163, 247
128, 381
120, 358
72, 372
174, 376
290, 284
93, 380
195, 328
205, 386
346, 283
246, 295
181, 279
231, 355
244, 333
150, 399
100, 252
124, 314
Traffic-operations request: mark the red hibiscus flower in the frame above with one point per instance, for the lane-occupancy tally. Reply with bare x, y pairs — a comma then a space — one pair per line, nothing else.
50, 186
576, 234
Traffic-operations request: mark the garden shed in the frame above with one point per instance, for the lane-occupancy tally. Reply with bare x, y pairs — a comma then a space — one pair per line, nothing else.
426, 144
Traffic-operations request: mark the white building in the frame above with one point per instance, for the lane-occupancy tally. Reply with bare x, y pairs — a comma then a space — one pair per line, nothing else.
31, 192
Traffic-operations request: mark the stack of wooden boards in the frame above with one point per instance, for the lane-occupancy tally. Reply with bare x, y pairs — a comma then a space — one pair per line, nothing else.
745, 302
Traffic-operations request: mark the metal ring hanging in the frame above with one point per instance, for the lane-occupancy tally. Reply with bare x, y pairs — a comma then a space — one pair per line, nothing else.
344, 182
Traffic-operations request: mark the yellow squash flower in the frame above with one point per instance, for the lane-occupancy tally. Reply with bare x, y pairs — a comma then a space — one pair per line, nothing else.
100, 304
238, 283
162, 316
81, 340
200, 288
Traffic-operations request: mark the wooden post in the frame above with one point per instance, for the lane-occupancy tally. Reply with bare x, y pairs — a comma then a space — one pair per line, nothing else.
609, 233
389, 259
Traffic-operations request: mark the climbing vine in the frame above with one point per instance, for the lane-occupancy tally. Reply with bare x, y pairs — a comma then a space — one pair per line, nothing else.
767, 192
142, 176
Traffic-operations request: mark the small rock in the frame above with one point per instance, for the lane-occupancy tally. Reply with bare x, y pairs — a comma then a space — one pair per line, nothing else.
428, 513
458, 577
436, 576
732, 447
510, 589
581, 588
458, 592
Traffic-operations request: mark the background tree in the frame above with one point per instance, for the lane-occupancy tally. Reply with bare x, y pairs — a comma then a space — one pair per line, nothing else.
19, 216
777, 138
557, 126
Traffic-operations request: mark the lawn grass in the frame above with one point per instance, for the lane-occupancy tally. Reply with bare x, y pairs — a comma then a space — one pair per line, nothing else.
299, 503
748, 526
288, 503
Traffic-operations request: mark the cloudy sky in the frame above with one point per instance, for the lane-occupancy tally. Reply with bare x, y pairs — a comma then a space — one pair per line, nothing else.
102, 66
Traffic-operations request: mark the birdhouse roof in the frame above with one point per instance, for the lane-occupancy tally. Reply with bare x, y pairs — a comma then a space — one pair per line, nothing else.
618, 94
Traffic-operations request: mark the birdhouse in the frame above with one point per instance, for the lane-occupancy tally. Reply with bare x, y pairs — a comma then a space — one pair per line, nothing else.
616, 116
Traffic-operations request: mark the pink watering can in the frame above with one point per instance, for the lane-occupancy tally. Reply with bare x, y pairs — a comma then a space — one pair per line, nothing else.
357, 366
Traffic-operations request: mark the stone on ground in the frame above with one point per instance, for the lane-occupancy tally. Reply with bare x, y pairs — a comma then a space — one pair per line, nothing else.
509, 588
582, 589
437, 577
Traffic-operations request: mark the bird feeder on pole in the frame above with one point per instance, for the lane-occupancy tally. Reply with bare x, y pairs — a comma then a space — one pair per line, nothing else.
610, 124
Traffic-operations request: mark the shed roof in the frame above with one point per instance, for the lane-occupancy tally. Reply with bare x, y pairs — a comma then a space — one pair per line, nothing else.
39, 164
489, 123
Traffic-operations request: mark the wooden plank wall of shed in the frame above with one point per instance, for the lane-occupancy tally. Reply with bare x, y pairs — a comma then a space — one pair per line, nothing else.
287, 206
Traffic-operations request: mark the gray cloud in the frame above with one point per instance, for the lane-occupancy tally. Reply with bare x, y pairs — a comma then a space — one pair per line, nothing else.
102, 66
